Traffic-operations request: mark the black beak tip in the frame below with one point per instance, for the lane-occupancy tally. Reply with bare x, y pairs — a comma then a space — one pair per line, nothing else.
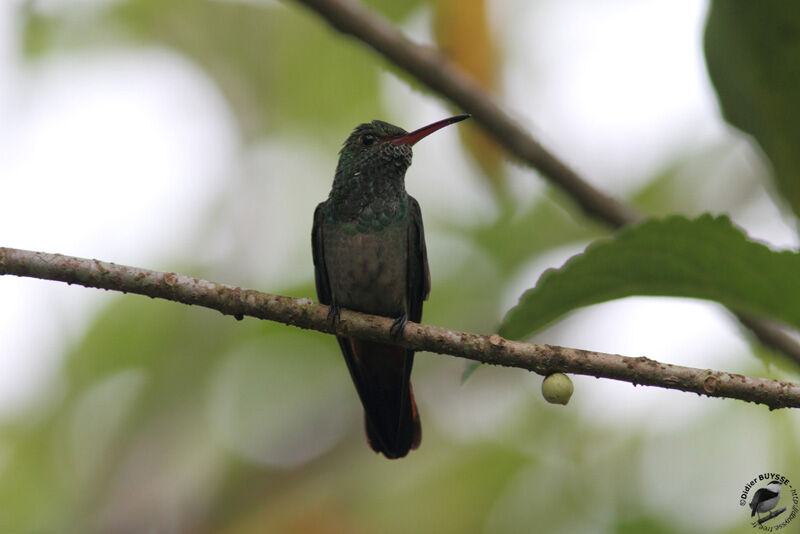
420, 133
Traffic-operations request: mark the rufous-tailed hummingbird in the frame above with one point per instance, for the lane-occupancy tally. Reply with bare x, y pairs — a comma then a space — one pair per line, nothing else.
369, 256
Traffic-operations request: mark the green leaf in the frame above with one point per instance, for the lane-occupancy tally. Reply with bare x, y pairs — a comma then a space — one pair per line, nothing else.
704, 258
753, 52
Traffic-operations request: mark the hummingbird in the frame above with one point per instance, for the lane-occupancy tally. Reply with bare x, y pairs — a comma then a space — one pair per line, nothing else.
369, 255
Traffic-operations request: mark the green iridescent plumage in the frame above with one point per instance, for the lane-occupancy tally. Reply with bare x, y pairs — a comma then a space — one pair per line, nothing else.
369, 256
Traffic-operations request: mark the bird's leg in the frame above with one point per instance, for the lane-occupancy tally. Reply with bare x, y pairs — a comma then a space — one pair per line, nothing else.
398, 326
334, 311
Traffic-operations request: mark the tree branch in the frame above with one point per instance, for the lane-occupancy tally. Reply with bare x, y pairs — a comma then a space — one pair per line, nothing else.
435, 71
443, 77
304, 313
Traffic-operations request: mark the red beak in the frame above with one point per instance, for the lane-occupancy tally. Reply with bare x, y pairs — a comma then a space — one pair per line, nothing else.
411, 138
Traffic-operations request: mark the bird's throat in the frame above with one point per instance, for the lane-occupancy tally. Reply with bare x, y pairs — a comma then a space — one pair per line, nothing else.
371, 202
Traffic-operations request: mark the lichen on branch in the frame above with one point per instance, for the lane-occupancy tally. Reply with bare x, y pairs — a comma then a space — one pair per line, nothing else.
304, 313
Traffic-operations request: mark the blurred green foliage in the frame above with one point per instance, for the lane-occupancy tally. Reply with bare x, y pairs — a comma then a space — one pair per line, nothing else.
750, 49
299, 88
302, 87
175, 419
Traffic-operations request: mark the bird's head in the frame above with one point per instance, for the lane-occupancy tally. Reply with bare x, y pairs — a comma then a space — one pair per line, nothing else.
377, 148
775, 486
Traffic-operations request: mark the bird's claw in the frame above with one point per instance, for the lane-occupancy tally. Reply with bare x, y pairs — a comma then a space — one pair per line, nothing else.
334, 311
398, 326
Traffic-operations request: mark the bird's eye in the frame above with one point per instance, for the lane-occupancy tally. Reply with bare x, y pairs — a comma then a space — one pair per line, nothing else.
367, 139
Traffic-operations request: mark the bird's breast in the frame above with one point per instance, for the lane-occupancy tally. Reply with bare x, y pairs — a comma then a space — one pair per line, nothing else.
367, 270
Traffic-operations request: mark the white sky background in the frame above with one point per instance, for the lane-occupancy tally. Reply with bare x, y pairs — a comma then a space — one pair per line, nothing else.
116, 156
112, 156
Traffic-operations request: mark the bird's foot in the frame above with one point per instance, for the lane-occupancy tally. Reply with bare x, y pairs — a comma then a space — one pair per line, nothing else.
398, 326
334, 311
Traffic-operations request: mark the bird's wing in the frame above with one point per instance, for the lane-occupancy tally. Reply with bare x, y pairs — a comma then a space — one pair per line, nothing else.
318, 252
419, 277
758, 496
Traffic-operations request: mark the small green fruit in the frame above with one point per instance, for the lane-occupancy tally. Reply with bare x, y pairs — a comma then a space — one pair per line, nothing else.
557, 388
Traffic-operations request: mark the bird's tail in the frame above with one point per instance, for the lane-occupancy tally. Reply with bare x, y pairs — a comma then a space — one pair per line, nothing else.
407, 438
381, 374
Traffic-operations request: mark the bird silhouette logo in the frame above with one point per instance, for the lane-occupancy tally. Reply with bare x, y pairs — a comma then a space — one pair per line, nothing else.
766, 498
772, 501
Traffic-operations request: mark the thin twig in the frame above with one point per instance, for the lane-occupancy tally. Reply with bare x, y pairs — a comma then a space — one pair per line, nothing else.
443, 77
773, 514
304, 313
